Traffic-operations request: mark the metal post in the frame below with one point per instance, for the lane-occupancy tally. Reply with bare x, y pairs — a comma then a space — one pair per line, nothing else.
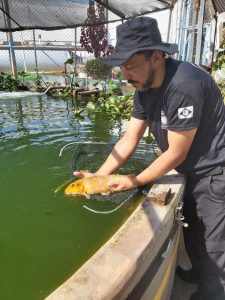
200, 30
107, 18
10, 41
24, 59
182, 25
75, 52
179, 30
214, 41
185, 18
169, 24
35, 54
191, 43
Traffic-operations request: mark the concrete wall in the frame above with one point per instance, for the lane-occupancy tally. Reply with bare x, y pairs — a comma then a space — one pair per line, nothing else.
139, 260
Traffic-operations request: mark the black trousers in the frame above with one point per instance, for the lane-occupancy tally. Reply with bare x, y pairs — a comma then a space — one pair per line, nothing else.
204, 211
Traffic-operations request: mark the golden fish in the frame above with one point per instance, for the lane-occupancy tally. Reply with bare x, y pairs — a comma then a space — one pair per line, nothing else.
92, 185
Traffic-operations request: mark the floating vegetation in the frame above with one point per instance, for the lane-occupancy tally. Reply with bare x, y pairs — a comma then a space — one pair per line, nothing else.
118, 107
149, 138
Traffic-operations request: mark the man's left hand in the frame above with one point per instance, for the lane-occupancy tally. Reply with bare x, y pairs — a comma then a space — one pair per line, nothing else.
126, 183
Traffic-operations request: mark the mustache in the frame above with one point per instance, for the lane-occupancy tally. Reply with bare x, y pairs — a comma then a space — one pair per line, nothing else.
131, 81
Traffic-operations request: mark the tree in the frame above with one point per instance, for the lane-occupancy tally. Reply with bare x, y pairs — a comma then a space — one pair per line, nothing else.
94, 34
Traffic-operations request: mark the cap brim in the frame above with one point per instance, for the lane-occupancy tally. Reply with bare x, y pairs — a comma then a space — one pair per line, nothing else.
120, 57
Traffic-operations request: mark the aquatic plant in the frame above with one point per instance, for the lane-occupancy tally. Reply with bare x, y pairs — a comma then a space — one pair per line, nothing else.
78, 112
117, 107
8, 82
21, 76
149, 138
73, 83
64, 93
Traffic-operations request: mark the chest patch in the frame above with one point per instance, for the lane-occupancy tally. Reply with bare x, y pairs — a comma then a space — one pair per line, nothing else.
185, 112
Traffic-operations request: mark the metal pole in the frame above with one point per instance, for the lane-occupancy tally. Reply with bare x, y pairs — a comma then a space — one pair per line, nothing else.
169, 24
200, 30
214, 41
191, 43
179, 31
24, 59
75, 52
107, 18
182, 25
10, 40
35, 54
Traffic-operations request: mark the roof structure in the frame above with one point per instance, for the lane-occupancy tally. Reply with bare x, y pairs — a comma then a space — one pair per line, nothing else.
219, 5
58, 14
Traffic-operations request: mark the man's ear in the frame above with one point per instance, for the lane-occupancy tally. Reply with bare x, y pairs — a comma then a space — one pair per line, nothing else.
157, 56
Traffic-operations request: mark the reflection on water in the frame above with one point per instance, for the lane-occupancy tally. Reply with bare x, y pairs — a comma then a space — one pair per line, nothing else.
44, 236
40, 119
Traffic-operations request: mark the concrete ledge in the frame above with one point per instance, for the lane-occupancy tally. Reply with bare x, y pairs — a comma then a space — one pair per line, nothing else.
119, 265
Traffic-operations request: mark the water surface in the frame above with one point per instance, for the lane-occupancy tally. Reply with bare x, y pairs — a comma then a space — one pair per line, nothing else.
45, 237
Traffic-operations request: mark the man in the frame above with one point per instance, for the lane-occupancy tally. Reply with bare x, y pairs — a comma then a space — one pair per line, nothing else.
184, 109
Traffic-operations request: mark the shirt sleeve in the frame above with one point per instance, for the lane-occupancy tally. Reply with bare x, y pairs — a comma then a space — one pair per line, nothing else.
184, 105
138, 109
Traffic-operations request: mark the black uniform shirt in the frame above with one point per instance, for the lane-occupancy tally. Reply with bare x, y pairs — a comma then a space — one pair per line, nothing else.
188, 98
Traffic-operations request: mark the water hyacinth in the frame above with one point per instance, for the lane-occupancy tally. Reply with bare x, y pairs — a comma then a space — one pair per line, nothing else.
118, 107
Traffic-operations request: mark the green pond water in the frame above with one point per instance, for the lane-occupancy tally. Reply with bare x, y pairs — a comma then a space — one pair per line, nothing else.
45, 237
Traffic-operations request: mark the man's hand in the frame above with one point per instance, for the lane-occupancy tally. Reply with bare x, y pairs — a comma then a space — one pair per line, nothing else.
126, 183
83, 174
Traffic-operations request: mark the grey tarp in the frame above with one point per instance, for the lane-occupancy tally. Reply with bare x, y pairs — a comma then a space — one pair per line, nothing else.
59, 14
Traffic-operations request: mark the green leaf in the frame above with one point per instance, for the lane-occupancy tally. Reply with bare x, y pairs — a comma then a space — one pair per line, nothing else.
69, 61
78, 112
90, 106
148, 139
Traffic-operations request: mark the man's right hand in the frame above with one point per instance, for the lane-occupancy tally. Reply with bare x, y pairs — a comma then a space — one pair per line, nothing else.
83, 174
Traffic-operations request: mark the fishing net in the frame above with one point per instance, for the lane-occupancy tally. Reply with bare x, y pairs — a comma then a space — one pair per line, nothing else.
88, 156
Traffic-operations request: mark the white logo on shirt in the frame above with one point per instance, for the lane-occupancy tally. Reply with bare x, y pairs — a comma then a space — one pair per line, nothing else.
185, 112
163, 120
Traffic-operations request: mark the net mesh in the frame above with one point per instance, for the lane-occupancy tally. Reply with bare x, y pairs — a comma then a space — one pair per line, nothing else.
56, 14
89, 156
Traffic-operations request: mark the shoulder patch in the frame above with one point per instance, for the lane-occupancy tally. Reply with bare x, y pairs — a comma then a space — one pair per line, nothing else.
185, 112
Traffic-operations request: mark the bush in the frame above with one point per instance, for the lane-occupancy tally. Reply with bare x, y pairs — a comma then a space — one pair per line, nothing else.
97, 69
8, 82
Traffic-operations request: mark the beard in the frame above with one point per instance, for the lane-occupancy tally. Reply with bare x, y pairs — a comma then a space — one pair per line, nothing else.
147, 84
149, 81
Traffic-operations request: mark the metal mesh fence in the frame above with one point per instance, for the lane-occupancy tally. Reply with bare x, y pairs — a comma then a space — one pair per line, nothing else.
52, 49
42, 54
45, 51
